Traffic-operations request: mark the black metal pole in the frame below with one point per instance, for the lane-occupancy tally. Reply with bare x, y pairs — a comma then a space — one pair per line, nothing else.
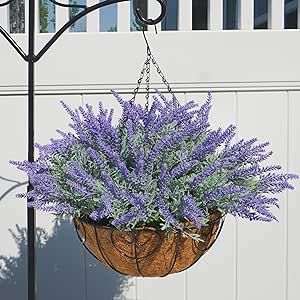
30, 211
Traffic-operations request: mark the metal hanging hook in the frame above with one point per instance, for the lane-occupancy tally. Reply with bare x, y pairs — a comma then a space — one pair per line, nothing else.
151, 21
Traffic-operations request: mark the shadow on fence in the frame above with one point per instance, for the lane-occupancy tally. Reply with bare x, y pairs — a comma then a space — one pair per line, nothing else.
64, 271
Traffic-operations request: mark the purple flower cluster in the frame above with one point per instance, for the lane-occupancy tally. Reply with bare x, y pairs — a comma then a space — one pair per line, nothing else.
162, 166
191, 211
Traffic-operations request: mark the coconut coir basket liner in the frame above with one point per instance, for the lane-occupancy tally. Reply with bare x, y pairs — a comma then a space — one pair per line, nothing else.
147, 252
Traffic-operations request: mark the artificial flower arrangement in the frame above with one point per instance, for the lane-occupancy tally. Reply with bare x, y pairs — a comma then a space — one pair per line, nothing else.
161, 169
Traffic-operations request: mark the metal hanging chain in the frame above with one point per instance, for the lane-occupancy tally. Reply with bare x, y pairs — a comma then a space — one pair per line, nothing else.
160, 73
146, 70
142, 74
158, 69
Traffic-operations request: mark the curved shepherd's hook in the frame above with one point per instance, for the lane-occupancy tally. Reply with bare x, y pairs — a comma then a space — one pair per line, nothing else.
89, 9
151, 21
86, 10
6, 3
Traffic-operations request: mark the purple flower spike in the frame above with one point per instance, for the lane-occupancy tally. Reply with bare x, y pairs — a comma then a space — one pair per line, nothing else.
191, 211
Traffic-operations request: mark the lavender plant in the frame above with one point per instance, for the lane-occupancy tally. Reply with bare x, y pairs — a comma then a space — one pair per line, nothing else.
159, 167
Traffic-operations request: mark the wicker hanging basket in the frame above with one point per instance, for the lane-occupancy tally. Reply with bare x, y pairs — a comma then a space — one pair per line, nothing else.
147, 252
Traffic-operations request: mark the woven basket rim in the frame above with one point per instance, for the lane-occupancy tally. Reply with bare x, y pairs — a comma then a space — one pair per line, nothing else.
149, 228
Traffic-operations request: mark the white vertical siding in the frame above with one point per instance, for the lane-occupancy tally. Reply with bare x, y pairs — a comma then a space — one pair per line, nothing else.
92, 19
61, 15
185, 19
246, 14
218, 264
171, 287
13, 118
276, 14
215, 15
293, 203
263, 115
124, 16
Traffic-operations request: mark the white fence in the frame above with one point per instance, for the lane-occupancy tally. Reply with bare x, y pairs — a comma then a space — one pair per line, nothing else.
249, 261
255, 81
276, 10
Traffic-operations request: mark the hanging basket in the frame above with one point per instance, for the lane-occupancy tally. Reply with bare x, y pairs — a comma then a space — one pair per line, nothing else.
147, 252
